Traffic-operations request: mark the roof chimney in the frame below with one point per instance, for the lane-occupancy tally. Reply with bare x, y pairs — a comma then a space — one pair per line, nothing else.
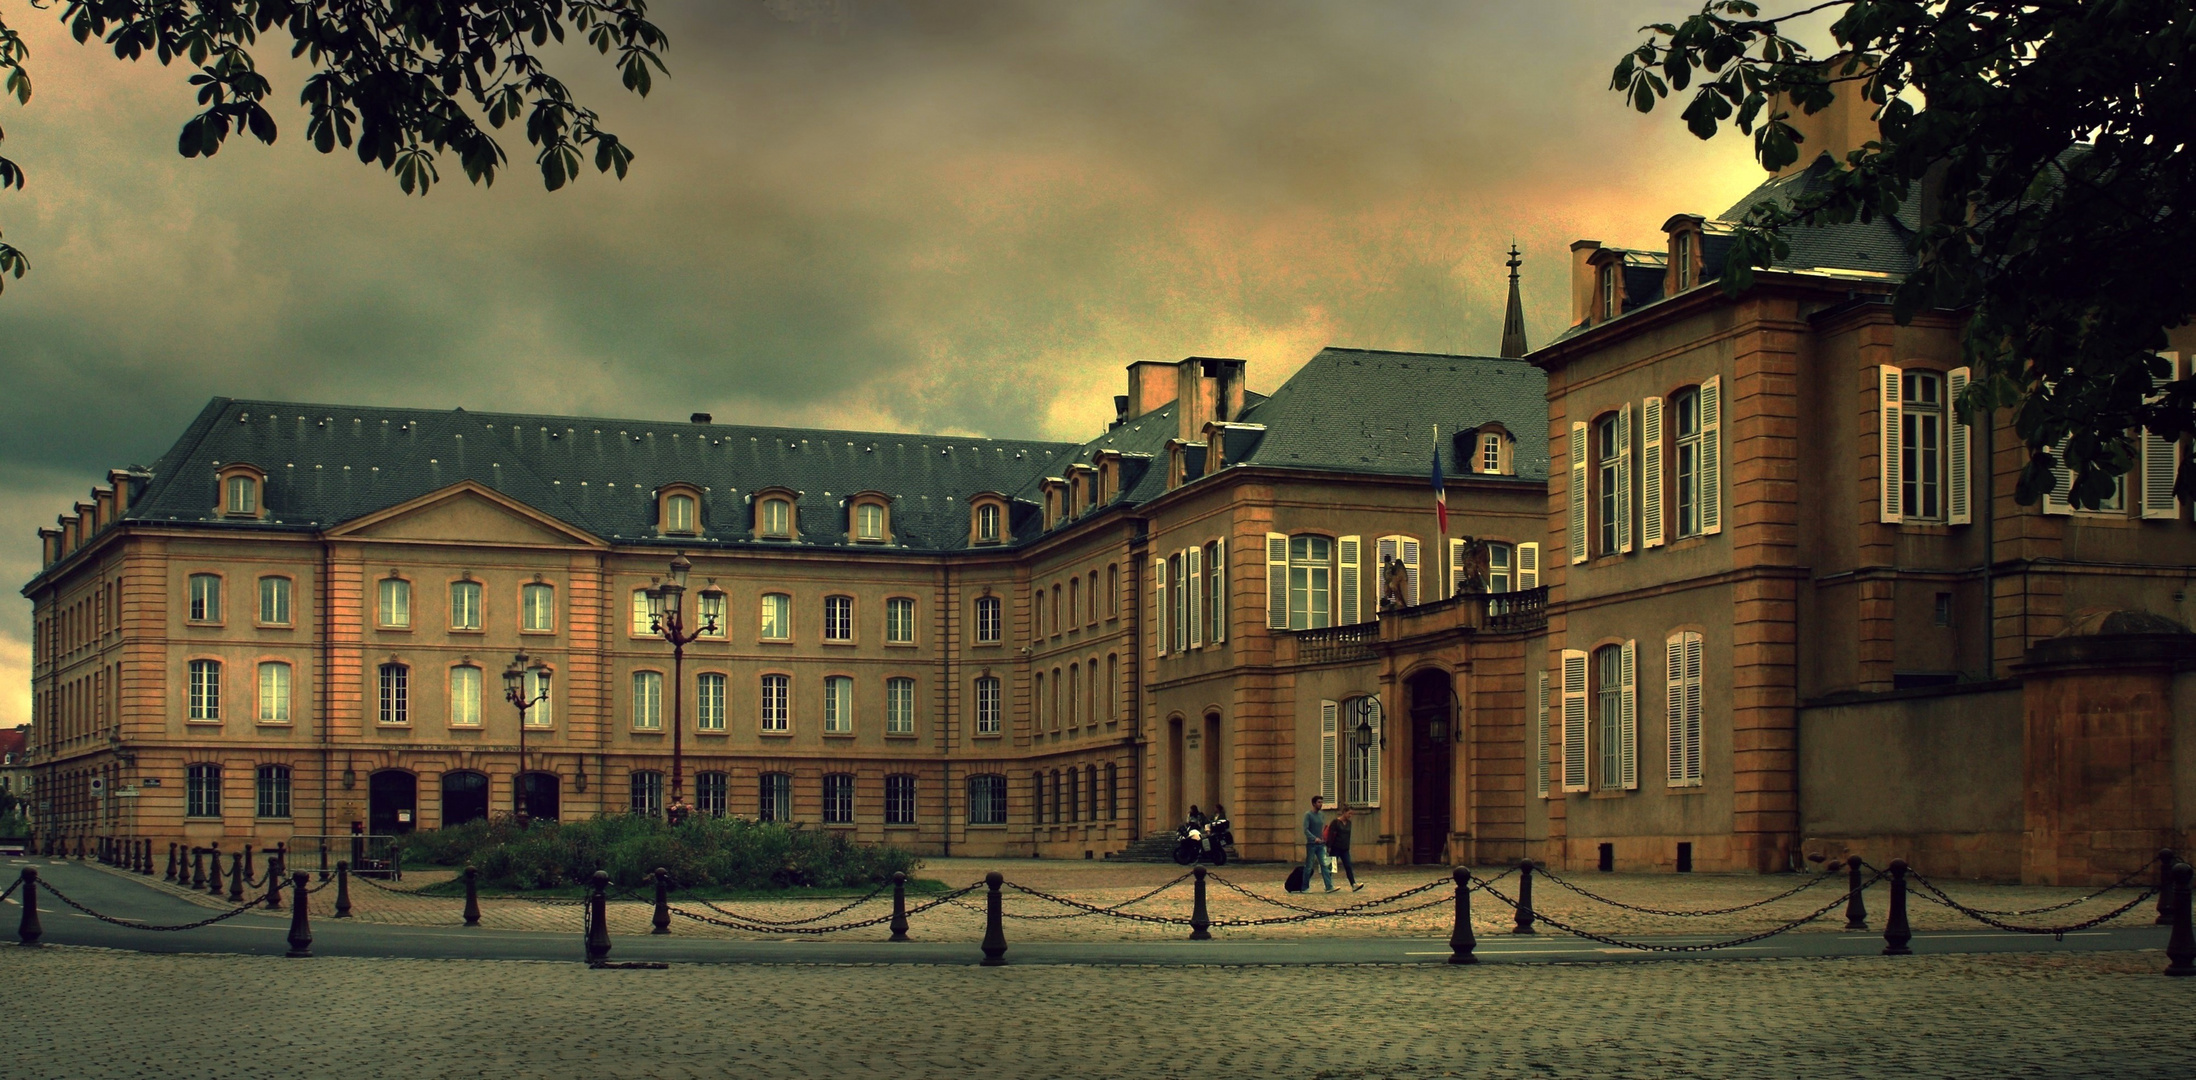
1582, 279
1840, 128
1151, 385
1205, 386
699, 418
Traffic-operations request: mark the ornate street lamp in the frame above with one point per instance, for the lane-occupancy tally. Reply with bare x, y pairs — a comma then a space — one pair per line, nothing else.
514, 691
667, 616
1368, 715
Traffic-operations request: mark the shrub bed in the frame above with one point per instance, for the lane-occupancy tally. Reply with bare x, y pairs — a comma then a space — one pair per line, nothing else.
703, 852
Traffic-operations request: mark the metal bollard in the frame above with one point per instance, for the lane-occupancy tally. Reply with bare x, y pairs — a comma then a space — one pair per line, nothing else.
236, 878
79, 847
2166, 859
1200, 923
899, 906
146, 867
29, 930
170, 875
249, 872
198, 868
2181, 947
274, 885
301, 930
661, 920
1895, 932
213, 873
598, 919
343, 890
1461, 939
1856, 912
994, 923
472, 897
1524, 898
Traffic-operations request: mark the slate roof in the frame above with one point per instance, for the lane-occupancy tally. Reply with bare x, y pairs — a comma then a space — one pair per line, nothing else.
1878, 245
1346, 410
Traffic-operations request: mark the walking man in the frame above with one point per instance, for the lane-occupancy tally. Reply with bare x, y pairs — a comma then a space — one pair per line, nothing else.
1315, 845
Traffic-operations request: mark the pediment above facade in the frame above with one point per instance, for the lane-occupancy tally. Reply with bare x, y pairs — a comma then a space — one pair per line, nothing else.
466, 513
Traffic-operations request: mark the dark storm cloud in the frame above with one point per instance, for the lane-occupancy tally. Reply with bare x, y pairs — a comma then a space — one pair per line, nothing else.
961, 217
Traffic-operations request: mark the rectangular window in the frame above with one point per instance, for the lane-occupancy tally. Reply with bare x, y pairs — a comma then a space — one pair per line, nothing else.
465, 605
987, 705
987, 620
869, 522
1498, 568
709, 608
777, 518
775, 712
396, 701
395, 606
647, 792
900, 621
648, 700
1606, 436
1682, 673
709, 702
538, 608
987, 523
274, 693
1921, 446
1608, 699
205, 594
838, 799
777, 797
1944, 609
678, 514
465, 696
274, 601
537, 691
644, 618
1490, 453
777, 617
899, 706
202, 793
1310, 564
709, 793
205, 705
274, 791
1685, 473
987, 800
838, 705
899, 800
243, 495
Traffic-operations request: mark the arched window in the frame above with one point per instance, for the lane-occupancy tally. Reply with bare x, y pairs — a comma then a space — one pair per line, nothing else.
242, 495
202, 791
1113, 791
396, 694
680, 514
1075, 602
869, 522
1491, 452
1074, 695
465, 687
774, 518
647, 792
273, 790
1037, 796
899, 800
987, 800
1681, 257
987, 523
274, 692
1113, 686
709, 793
205, 700
1608, 291
776, 802
838, 808
1090, 784
1074, 796
987, 705
644, 619
1113, 590
1037, 703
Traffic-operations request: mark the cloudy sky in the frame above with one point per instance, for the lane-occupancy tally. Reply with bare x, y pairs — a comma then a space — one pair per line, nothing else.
960, 217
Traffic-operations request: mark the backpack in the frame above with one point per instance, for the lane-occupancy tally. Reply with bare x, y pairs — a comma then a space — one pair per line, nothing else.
1296, 881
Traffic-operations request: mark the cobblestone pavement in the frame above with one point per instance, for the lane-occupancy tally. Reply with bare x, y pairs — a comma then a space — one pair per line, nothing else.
1112, 883
93, 1013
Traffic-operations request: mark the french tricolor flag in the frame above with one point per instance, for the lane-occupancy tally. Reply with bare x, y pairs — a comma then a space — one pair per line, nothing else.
1441, 491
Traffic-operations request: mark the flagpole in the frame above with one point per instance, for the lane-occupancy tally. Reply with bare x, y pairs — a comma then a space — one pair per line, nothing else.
1440, 520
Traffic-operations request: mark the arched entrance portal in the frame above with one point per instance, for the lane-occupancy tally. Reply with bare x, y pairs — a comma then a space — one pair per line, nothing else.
1433, 724
464, 798
539, 794
392, 802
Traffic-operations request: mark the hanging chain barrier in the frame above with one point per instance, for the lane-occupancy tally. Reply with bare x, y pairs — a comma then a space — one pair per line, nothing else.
1935, 895
17, 884
1749, 939
2128, 882
1361, 908
132, 924
1680, 913
833, 913
424, 890
880, 920
1082, 910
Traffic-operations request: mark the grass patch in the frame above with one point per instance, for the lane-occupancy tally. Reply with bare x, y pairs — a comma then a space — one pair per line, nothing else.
741, 858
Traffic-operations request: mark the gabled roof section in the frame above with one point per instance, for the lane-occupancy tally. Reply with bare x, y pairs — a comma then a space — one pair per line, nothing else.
466, 511
1372, 411
1878, 245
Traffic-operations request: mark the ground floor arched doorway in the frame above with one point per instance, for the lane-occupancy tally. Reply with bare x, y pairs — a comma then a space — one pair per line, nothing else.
392, 802
1432, 734
539, 793
464, 797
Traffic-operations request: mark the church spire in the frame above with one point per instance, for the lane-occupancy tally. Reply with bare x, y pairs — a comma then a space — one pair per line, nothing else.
1513, 320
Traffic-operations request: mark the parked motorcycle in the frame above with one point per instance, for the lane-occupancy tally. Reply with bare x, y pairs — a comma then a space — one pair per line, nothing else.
1206, 839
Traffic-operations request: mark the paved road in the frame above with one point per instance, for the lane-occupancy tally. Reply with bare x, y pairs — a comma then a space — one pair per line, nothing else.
266, 935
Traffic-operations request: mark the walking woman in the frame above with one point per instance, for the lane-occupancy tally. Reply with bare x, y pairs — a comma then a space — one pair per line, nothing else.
1338, 844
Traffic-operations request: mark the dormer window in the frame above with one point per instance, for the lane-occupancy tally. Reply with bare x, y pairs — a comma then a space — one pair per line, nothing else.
678, 513
1608, 291
872, 519
242, 491
774, 515
987, 519
1681, 258
678, 510
987, 523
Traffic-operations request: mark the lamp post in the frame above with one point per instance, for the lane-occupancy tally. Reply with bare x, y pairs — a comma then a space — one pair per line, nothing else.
514, 691
667, 616
1368, 714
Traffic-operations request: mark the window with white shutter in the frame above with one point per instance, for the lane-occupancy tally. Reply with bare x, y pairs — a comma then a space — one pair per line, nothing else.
1350, 595
1194, 588
1624, 478
1958, 478
1681, 683
1277, 581
1159, 603
1541, 736
1329, 746
1456, 567
1579, 542
1887, 421
1650, 473
1574, 720
1410, 572
2056, 501
2160, 457
1711, 456
1528, 566
1219, 574
1628, 716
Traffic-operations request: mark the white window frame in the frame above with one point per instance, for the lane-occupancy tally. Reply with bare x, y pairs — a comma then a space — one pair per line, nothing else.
869, 522
680, 513
774, 710
393, 604
466, 600
838, 619
274, 692
776, 617
395, 693
709, 694
203, 592
899, 620
838, 705
1310, 570
899, 705
274, 600
465, 701
647, 701
989, 620
987, 704
205, 692
1684, 701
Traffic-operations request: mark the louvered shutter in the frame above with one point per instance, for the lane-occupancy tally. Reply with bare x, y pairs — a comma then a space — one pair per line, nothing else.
1578, 493
1528, 566
1219, 571
1410, 569
1574, 720
1711, 456
1456, 566
1372, 763
1350, 590
1628, 715
2160, 457
2056, 500
1159, 602
1650, 473
1541, 733
1673, 684
1329, 746
1692, 708
1624, 478
1959, 479
1277, 581
1194, 588
1889, 508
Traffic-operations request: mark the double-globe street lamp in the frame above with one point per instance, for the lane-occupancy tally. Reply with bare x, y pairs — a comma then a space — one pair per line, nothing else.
514, 691
667, 617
